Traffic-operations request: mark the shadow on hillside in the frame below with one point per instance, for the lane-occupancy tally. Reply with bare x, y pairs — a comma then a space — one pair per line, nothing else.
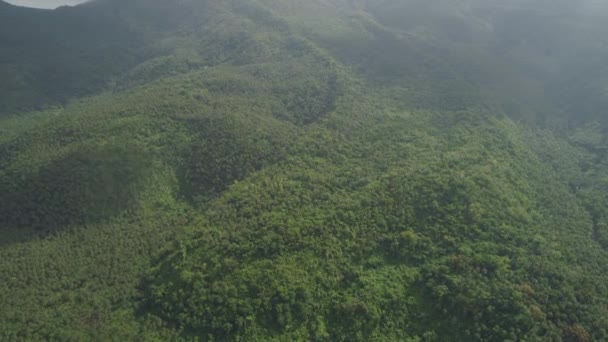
86, 186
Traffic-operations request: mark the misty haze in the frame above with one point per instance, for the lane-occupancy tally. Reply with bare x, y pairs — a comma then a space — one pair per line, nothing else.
321, 170
49, 4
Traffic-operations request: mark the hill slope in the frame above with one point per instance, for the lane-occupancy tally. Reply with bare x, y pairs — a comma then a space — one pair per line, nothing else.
279, 170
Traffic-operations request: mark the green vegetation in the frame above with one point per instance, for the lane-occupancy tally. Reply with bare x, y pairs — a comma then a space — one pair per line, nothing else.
275, 170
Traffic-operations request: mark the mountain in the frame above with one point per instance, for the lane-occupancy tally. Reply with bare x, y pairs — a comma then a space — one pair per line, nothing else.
344, 170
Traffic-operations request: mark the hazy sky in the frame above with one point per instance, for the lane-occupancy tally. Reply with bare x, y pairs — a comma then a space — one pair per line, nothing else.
44, 3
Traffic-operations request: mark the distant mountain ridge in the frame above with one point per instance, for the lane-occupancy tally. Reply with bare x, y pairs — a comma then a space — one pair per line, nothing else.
64, 62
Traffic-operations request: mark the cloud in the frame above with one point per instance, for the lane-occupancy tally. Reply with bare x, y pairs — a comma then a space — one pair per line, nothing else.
45, 3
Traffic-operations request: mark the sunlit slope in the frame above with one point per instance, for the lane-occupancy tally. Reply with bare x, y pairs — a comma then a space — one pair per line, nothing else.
418, 228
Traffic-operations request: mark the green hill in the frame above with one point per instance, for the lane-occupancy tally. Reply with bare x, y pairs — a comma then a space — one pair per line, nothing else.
275, 170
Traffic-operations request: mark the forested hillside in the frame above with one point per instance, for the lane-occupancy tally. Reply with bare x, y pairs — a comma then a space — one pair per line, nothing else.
323, 170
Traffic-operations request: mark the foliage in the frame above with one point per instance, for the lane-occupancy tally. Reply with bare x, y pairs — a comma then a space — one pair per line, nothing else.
271, 170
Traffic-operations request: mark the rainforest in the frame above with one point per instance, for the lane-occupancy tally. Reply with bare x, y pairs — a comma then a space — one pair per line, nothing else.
320, 170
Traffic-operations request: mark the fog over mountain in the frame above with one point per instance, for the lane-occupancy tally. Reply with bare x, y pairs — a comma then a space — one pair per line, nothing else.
320, 170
